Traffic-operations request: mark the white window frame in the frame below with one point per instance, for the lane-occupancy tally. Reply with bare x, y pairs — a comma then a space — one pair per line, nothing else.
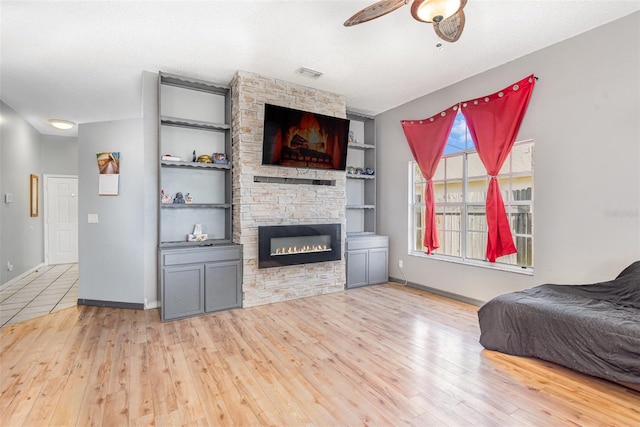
462, 259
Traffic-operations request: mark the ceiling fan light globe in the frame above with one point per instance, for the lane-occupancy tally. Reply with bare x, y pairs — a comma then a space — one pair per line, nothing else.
434, 10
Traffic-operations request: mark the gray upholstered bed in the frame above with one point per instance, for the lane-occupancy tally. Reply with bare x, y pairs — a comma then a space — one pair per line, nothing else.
594, 329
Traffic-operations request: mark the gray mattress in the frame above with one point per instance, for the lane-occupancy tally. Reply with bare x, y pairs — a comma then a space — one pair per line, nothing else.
594, 329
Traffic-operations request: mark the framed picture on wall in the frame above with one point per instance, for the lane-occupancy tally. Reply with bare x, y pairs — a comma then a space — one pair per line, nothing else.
33, 180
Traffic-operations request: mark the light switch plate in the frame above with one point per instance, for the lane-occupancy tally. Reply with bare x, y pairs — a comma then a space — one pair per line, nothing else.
92, 218
8, 197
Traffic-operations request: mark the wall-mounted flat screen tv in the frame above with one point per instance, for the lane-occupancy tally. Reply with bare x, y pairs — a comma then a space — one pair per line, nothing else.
302, 139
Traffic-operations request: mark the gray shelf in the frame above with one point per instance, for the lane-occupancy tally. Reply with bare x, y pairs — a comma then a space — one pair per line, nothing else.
360, 146
194, 84
181, 164
356, 176
195, 205
194, 124
361, 207
183, 244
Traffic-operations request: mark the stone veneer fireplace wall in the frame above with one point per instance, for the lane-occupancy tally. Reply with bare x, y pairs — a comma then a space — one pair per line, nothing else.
276, 203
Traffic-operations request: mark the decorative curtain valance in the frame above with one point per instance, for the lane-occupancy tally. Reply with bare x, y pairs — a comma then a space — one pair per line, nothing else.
493, 122
427, 139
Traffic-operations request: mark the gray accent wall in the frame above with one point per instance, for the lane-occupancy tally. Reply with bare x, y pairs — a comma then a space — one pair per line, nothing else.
59, 155
111, 252
118, 255
583, 116
21, 236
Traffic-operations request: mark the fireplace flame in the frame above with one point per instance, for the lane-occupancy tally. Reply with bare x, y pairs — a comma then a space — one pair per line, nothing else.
292, 250
309, 128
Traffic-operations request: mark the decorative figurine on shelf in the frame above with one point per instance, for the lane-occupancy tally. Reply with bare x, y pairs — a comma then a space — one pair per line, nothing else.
198, 235
188, 199
351, 137
351, 170
369, 171
164, 197
179, 199
204, 158
220, 158
193, 159
359, 171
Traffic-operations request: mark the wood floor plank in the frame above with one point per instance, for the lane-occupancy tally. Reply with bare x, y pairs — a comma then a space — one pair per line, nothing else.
45, 404
141, 396
293, 385
38, 353
76, 369
380, 355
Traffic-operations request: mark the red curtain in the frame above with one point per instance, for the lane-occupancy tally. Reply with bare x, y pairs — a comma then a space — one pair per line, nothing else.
427, 139
493, 123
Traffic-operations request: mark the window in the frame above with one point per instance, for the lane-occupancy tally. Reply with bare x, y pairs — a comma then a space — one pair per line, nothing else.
460, 186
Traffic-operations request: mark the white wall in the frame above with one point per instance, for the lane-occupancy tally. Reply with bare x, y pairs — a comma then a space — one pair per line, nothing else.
21, 236
151, 195
111, 253
584, 116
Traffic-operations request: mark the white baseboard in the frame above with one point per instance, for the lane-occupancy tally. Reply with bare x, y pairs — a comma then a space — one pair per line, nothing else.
25, 274
151, 305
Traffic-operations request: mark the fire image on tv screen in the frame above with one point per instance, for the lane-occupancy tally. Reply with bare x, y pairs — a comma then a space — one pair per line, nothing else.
302, 139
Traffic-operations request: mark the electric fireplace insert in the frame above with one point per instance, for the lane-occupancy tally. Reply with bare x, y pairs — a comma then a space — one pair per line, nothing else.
282, 245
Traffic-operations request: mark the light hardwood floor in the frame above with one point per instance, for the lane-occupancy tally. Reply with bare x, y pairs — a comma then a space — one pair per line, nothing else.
381, 355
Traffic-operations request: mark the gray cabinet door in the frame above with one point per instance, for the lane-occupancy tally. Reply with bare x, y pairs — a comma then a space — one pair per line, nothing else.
222, 286
183, 291
357, 268
378, 268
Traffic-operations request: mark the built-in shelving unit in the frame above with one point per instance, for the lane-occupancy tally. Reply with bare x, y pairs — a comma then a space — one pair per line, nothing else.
195, 276
195, 119
361, 187
366, 252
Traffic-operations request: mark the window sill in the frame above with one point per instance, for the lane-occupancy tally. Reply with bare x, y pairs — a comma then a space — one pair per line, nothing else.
482, 264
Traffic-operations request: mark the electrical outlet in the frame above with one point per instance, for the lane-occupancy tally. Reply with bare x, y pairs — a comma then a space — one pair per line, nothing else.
400, 264
9, 266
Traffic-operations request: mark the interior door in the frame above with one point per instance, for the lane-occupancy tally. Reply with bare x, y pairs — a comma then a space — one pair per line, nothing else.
62, 219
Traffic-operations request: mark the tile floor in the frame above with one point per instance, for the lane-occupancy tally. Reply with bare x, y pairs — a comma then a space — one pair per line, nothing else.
46, 290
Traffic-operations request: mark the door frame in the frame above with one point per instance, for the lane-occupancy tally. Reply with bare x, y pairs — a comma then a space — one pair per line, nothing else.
45, 189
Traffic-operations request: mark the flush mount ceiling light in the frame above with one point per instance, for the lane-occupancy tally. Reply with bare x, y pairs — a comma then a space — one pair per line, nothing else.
446, 16
61, 124
314, 74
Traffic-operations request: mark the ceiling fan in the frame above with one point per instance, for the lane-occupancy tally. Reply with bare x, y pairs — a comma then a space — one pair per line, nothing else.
447, 16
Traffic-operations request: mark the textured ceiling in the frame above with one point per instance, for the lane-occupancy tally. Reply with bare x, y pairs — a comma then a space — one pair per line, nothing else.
82, 60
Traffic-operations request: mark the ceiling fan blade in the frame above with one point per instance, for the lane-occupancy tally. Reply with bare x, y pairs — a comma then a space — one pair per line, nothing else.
374, 11
450, 29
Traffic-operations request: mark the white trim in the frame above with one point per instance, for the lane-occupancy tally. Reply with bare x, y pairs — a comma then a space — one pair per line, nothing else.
152, 305
412, 227
527, 271
45, 217
22, 276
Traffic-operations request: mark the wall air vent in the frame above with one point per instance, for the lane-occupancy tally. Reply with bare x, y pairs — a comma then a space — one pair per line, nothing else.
308, 72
